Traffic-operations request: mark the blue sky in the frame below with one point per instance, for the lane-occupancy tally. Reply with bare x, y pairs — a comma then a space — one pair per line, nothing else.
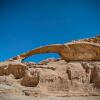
27, 24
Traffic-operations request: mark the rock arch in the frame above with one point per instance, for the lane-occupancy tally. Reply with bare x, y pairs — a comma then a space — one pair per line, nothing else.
84, 51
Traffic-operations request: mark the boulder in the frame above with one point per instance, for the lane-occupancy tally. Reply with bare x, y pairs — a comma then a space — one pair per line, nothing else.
16, 68
30, 79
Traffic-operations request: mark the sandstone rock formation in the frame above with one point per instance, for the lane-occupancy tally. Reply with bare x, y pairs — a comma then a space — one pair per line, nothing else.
59, 78
16, 68
77, 75
48, 60
82, 50
30, 79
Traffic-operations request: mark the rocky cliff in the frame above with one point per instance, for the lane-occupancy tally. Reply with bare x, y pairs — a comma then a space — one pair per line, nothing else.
57, 78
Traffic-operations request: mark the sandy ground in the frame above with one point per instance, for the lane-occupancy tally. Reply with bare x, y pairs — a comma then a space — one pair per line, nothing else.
9, 97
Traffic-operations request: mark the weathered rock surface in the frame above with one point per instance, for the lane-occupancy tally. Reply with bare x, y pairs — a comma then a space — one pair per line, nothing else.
57, 78
16, 68
81, 50
77, 75
30, 79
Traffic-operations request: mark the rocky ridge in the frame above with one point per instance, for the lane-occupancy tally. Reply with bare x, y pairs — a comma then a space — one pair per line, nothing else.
55, 77
58, 78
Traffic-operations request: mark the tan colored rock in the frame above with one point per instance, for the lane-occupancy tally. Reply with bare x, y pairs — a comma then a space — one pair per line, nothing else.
48, 60
2, 70
76, 72
29, 63
16, 68
30, 79
81, 51
95, 77
77, 75
3, 67
68, 79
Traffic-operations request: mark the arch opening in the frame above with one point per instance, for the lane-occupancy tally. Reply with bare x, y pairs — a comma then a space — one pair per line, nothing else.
40, 57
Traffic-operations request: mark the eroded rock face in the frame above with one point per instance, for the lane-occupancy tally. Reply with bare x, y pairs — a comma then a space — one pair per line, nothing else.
58, 78
81, 50
95, 75
30, 79
2, 70
16, 68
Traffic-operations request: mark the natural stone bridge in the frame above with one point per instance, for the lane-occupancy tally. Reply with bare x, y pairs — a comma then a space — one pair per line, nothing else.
77, 75
74, 51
